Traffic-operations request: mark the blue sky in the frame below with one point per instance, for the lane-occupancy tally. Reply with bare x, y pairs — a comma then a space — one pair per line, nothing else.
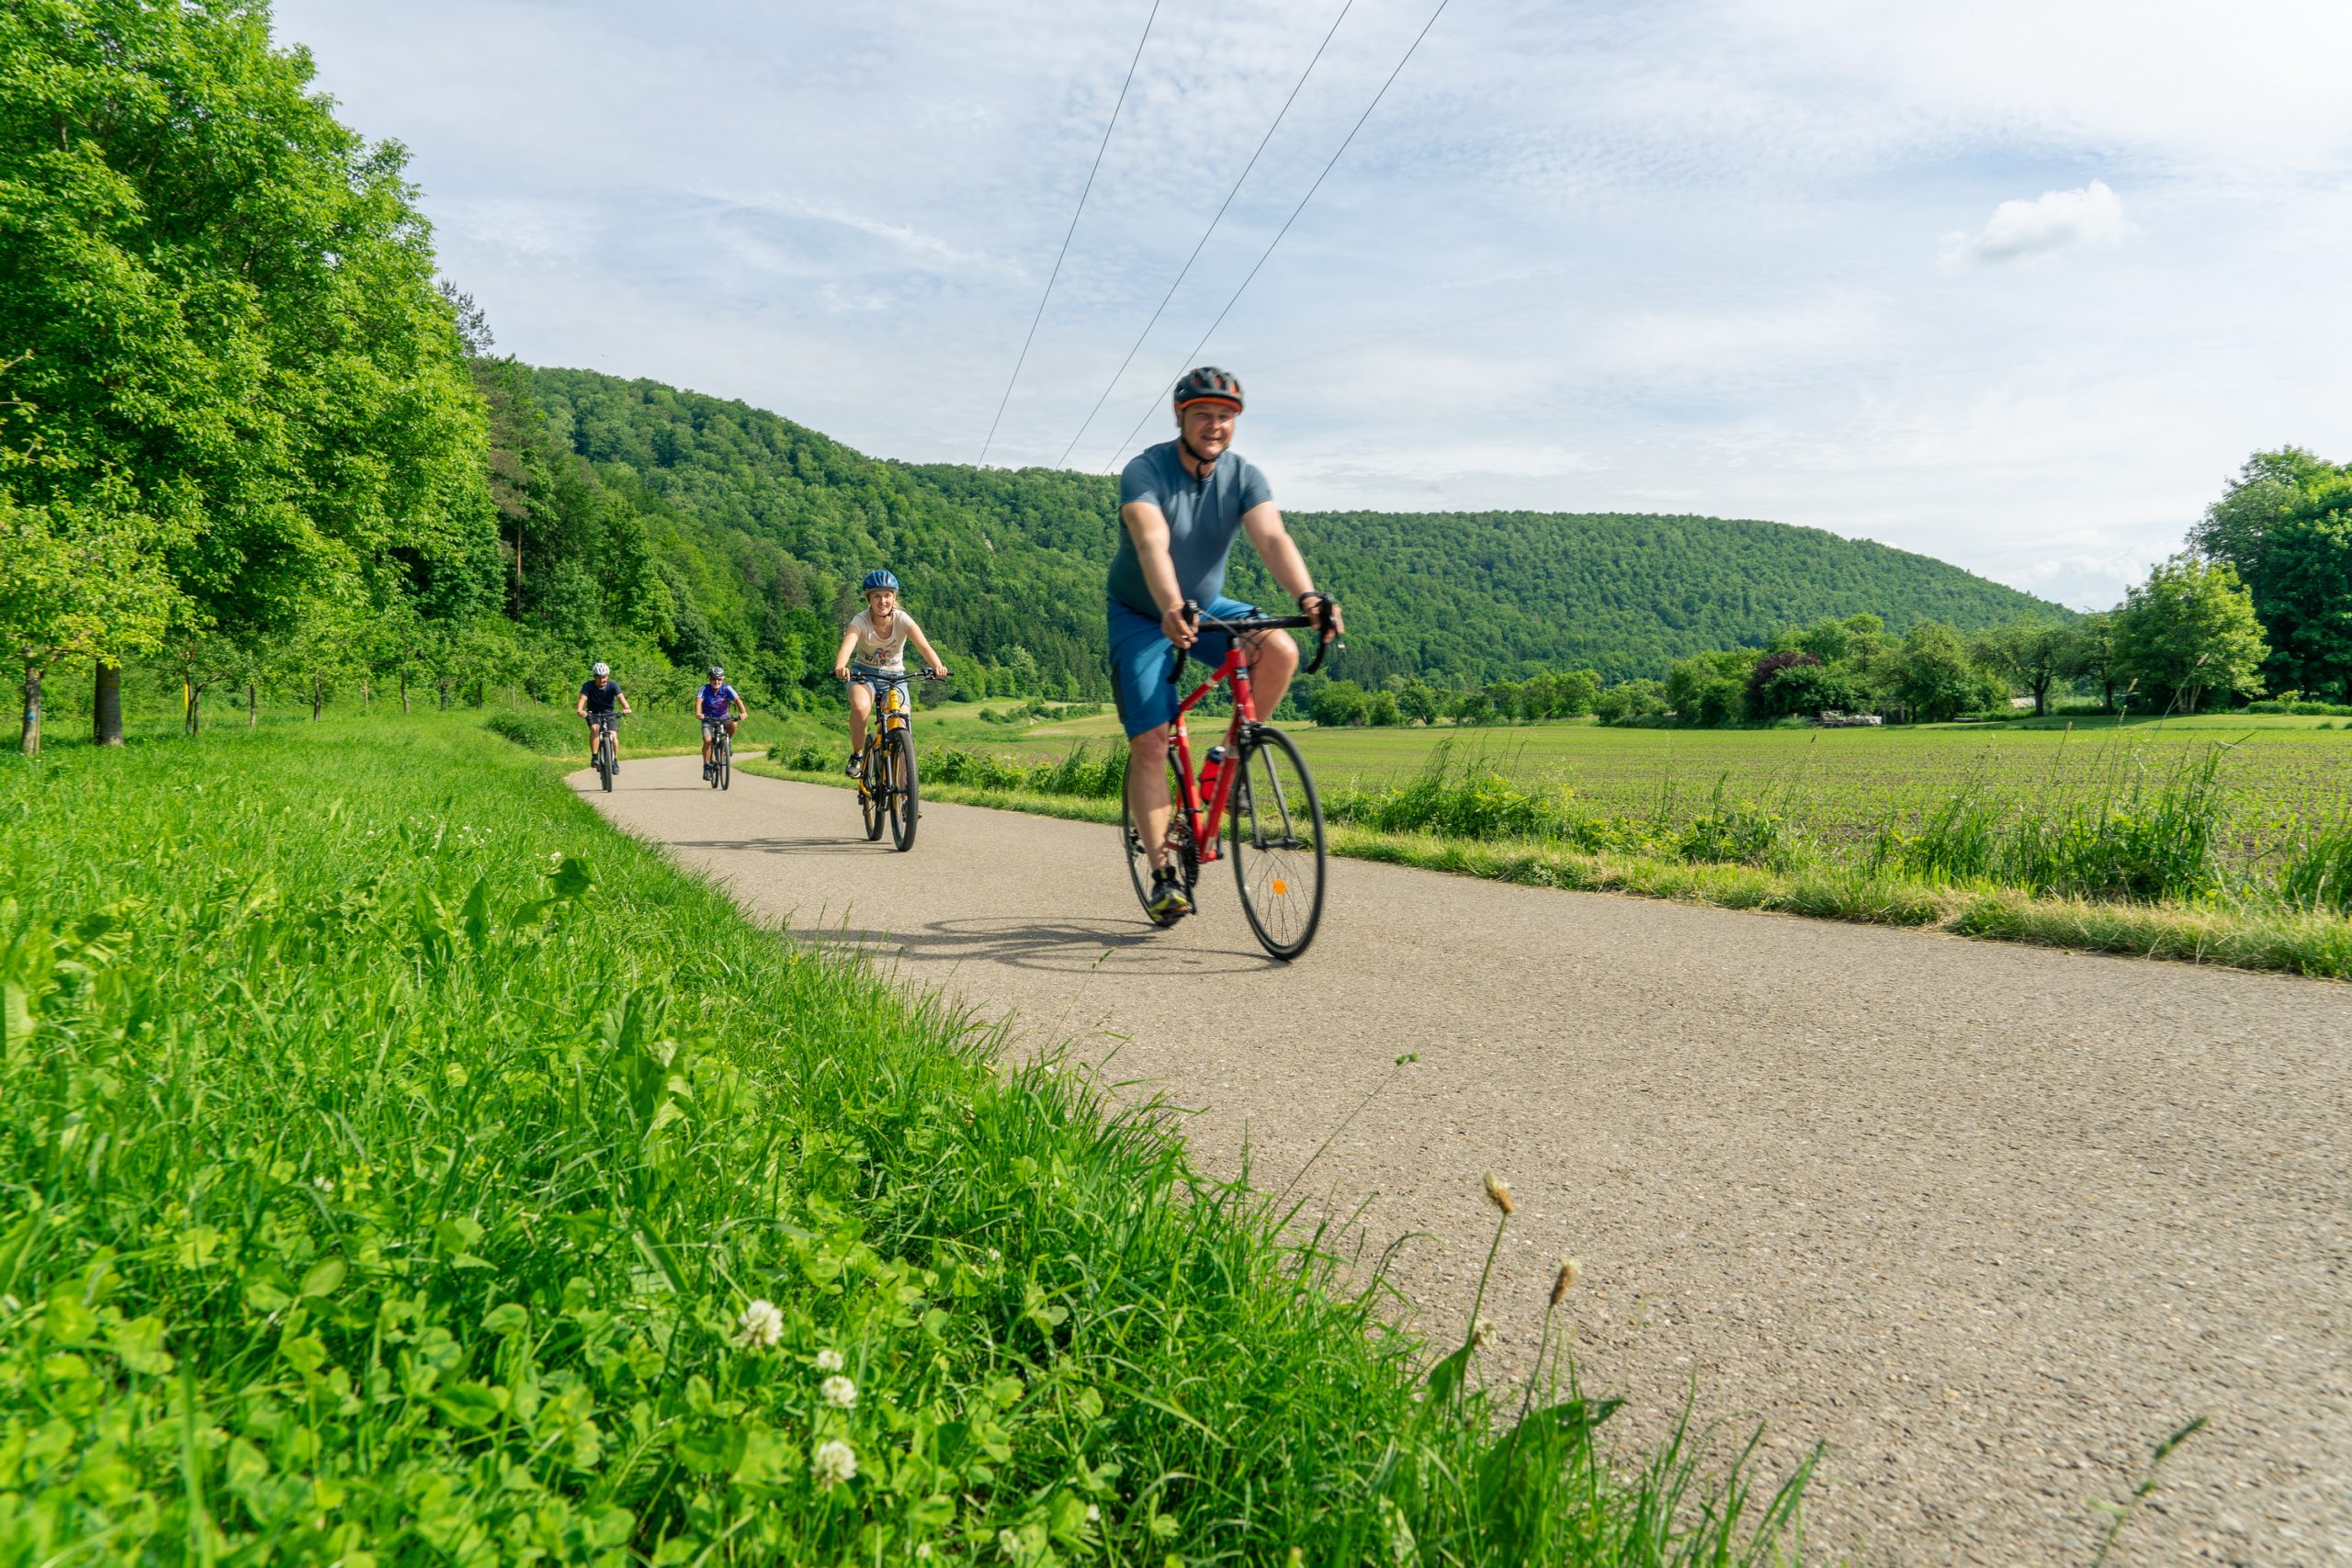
2017, 285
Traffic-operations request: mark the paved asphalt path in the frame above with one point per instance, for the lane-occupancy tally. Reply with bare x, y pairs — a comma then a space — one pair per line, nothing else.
1987, 1220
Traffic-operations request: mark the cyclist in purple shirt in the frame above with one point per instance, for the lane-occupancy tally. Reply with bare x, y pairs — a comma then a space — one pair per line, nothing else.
721, 709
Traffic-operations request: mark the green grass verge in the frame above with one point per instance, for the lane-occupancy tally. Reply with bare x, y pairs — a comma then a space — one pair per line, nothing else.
2315, 943
398, 1165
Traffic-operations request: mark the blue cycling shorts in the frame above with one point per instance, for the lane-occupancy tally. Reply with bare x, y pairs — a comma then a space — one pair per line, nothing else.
1141, 656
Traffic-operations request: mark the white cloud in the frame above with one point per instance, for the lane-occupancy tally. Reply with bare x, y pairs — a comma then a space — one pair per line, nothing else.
2056, 221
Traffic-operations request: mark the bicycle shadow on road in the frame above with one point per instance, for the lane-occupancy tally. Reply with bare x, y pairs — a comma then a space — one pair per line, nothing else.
832, 844
1066, 946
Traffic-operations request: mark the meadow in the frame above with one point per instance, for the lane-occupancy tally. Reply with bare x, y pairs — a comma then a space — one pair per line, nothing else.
401, 1166
2282, 775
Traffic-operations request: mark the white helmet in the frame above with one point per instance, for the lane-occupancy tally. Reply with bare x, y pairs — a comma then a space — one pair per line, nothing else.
601, 668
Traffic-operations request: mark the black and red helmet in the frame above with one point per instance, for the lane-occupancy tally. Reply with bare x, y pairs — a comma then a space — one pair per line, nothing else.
1209, 385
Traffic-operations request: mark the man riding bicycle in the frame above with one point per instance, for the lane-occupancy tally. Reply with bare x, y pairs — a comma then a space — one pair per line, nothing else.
721, 708
1182, 503
598, 694
877, 636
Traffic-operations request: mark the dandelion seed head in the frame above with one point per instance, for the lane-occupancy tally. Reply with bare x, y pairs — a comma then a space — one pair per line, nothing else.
830, 1361
839, 1392
834, 1463
1498, 1192
759, 1327
1565, 1280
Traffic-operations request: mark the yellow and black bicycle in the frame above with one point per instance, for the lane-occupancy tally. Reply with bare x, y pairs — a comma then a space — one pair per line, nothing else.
889, 787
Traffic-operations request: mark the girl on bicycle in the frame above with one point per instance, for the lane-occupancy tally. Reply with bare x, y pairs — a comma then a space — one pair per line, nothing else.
873, 653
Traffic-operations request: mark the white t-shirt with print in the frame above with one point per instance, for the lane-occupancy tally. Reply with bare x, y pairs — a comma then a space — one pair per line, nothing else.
876, 652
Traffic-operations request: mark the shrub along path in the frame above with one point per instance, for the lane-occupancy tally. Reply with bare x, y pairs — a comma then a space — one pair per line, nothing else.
1989, 1220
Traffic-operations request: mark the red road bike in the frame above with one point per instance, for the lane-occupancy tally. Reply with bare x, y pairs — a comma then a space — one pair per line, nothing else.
1254, 791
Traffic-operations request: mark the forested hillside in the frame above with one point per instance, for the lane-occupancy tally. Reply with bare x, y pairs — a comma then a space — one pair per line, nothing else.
997, 559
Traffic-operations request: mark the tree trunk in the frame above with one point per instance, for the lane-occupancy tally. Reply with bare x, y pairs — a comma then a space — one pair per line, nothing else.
253, 707
194, 709
404, 689
31, 740
106, 707
367, 694
318, 699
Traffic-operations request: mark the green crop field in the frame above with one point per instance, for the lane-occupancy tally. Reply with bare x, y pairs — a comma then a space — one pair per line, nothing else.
2280, 776
399, 1166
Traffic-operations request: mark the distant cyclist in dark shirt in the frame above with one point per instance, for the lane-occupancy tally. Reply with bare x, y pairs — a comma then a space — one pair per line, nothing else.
715, 703
598, 694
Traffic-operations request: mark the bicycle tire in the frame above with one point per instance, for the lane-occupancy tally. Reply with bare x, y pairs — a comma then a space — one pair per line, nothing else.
869, 792
726, 762
1180, 828
605, 761
1276, 838
906, 808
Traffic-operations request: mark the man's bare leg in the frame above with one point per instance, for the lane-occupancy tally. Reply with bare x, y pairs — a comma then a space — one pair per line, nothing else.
1148, 800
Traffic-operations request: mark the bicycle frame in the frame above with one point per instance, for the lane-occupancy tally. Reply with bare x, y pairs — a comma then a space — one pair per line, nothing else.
1207, 817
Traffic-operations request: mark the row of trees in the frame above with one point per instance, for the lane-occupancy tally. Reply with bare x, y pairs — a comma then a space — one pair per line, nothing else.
247, 440
231, 393
2185, 637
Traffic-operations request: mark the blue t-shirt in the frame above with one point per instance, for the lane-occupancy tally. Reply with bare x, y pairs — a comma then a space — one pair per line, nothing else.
716, 699
1202, 517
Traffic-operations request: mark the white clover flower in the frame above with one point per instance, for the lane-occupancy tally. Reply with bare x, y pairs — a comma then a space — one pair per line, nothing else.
835, 1463
922, 1553
1094, 1513
759, 1327
839, 1392
324, 1184
1009, 1543
1482, 1331
830, 1361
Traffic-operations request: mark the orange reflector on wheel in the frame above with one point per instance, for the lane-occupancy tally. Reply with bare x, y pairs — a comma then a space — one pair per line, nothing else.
1279, 886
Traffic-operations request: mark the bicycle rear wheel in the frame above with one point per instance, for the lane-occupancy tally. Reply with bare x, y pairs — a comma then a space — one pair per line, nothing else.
905, 803
871, 783
1277, 841
1179, 835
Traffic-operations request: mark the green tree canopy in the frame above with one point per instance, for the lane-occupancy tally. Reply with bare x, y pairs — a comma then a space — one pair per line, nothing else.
2285, 525
219, 307
2188, 631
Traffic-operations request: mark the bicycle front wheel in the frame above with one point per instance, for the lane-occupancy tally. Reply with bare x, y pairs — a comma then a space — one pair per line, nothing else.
1277, 839
726, 762
872, 781
605, 761
905, 808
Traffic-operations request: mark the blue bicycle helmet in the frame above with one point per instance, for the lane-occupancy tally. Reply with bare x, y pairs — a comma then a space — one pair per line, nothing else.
878, 578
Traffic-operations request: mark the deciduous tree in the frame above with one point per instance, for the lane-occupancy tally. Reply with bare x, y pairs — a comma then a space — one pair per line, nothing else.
2190, 629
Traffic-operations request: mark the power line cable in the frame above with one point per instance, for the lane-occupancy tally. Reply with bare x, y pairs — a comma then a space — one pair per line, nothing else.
1114, 383
1074, 217
1190, 358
